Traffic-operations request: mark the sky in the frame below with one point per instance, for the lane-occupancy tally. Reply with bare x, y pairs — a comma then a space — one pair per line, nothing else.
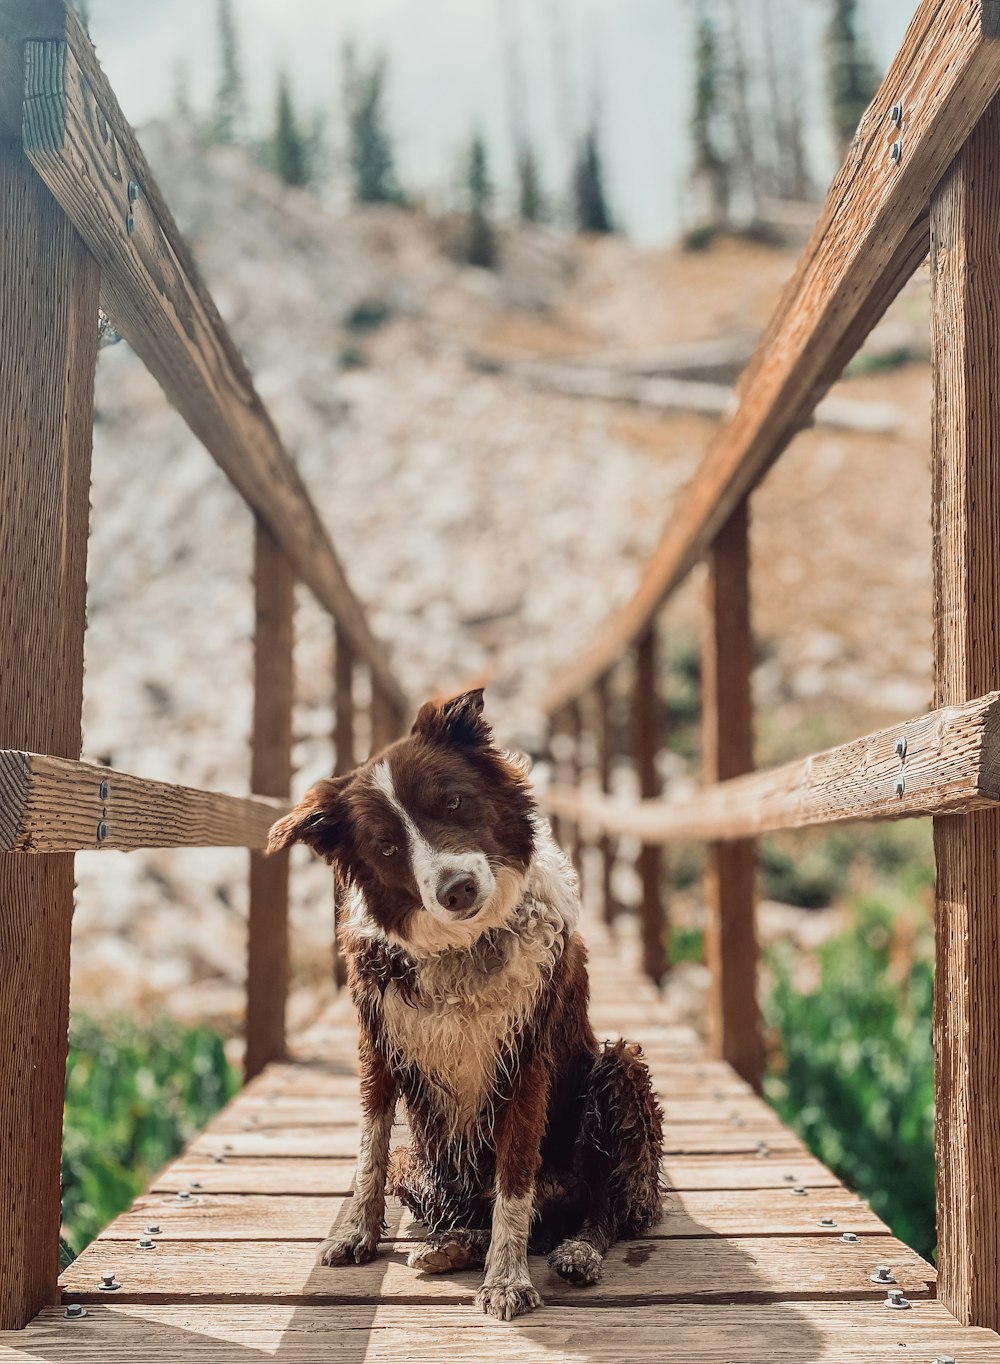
448, 75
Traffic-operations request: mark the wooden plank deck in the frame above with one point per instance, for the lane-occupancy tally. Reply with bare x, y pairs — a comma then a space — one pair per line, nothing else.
746, 1263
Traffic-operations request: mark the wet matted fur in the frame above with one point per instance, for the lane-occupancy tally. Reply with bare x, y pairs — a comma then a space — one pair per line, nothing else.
470, 981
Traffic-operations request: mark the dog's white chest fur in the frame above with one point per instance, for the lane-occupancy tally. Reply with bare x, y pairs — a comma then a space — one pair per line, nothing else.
470, 1006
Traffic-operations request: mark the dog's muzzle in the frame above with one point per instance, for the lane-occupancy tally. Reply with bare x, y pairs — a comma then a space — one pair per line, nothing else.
458, 891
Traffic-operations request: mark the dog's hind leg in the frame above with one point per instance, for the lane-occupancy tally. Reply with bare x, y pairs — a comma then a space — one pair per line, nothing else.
450, 1251
617, 1158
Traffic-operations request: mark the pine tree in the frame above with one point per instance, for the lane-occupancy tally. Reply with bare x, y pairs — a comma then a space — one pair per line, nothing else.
530, 203
288, 147
852, 74
709, 163
592, 213
371, 156
481, 248
229, 112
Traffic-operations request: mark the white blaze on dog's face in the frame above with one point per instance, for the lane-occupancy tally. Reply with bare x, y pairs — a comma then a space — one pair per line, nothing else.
436, 834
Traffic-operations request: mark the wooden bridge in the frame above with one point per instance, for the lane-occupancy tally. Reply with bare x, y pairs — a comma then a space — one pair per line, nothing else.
761, 1254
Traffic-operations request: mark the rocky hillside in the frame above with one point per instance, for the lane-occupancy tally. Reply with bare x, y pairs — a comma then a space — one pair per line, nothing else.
488, 523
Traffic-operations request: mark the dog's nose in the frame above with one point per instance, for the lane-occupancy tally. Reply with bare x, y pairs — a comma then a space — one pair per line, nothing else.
457, 890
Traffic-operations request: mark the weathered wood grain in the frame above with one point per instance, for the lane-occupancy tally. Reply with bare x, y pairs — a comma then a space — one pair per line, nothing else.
870, 236
843, 1332
646, 743
965, 263
650, 1271
85, 151
601, 702
50, 804
727, 752
232, 1175
951, 765
48, 350
271, 775
748, 1171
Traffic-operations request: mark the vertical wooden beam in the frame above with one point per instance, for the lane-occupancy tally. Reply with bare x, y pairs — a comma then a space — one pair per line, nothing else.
727, 751
965, 269
646, 741
346, 759
574, 773
49, 289
343, 703
385, 722
607, 844
271, 775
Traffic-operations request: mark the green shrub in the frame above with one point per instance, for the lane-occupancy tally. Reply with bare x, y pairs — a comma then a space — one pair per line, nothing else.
135, 1093
855, 1073
686, 943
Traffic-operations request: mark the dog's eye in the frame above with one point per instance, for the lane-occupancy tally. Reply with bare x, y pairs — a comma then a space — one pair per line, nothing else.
452, 803
388, 849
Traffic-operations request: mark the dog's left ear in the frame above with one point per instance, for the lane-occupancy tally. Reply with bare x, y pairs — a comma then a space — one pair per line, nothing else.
317, 820
458, 721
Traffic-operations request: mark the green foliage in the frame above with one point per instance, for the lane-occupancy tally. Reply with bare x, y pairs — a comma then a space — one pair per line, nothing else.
353, 357
481, 244
852, 77
590, 200
288, 148
368, 315
855, 1077
229, 109
530, 202
135, 1093
708, 162
815, 869
686, 944
866, 363
372, 162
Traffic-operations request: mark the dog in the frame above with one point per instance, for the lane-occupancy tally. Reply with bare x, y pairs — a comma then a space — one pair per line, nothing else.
470, 982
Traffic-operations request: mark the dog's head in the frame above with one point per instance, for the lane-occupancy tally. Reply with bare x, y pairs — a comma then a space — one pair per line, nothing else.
436, 832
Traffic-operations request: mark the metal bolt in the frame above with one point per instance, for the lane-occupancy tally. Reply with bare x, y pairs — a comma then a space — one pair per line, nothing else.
896, 114
896, 151
789, 1178
900, 785
883, 1274
219, 1158
108, 1282
896, 1300
105, 790
826, 1222
146, 1243
129, 224
102, 832
850, 1237
183, 1195
901, 748
75, 1310
943, 1359
799, 1190
195, 1184
133, 191
153, 1229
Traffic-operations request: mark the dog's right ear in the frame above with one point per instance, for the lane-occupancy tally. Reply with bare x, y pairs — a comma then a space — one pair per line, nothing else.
318, 820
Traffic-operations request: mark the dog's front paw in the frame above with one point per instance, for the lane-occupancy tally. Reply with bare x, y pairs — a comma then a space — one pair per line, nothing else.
356, 1248
507, 1298
439, 1257
576, 1262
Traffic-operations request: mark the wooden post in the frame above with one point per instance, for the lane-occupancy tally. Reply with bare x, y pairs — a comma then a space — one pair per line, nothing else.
646, 739
574, 773
271, 775
965, 270
385, 724
606, 845
344, 703
727, 751
49, 288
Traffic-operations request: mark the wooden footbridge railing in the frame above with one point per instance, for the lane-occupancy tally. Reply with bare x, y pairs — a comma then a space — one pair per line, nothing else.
922, 174
84, 224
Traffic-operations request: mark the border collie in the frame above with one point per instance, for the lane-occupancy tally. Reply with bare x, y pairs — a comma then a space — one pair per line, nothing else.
470, 981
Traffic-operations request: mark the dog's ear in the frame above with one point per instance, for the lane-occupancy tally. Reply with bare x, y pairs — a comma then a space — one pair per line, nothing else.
458, 721
318, 820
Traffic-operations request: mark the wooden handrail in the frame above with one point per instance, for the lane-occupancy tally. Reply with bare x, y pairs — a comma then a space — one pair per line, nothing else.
80, 143
56, 805
871, 235
949, 764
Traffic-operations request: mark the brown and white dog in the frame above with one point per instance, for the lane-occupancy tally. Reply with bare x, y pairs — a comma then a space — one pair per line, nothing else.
470, 981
